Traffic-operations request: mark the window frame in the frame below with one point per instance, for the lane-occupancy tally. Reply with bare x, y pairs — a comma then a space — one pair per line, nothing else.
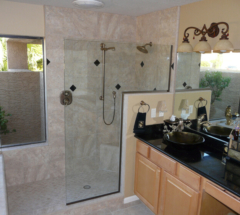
44, 91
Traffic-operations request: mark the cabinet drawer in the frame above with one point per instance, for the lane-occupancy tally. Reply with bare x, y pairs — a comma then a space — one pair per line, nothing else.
143, 149
163, 161
223, 197
188, 177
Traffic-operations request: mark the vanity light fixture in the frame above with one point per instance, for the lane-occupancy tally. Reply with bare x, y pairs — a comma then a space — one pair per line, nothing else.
222, 46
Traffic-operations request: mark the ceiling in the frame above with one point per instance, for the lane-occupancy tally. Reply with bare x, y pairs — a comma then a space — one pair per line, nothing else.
125, 7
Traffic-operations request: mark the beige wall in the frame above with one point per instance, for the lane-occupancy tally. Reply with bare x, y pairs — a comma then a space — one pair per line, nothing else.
208, 11
131, 105
21, 19
192, 97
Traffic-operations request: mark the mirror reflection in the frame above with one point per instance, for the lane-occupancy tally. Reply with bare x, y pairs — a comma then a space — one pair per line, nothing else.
218, 72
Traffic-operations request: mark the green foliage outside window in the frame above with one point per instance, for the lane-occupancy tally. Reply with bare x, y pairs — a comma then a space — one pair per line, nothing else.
216, 82
205, 64
35, 57
4, 121
3, 54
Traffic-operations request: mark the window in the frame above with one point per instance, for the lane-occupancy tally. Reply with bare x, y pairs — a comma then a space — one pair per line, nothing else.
228, 62
22, 91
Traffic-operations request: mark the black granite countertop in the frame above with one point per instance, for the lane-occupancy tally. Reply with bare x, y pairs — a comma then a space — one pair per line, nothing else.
204, 160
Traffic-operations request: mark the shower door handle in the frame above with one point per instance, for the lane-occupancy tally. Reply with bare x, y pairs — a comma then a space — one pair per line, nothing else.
66, 97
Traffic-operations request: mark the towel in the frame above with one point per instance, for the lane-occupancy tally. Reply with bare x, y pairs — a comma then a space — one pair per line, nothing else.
140, 123
202, 110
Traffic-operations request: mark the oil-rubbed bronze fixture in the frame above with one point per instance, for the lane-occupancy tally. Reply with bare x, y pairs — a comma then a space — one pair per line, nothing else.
102, 97
66, 97
143, 48
224, 45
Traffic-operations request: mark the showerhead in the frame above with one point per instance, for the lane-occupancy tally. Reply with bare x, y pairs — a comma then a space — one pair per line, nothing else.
143, 48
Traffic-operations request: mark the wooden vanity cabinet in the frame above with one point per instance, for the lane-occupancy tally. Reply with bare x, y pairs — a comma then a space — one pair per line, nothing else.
176, 197
147, 182
164, 185
169, 188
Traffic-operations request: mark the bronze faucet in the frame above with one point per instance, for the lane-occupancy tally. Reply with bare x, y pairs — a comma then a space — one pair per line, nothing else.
180, 126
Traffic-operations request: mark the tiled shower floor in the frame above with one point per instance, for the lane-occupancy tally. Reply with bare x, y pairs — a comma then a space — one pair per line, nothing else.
46, 196
101, 182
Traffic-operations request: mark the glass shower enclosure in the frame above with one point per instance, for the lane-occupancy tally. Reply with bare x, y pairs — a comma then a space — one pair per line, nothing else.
93, 148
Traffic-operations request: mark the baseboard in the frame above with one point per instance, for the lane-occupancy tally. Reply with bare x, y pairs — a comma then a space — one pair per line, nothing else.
130, 199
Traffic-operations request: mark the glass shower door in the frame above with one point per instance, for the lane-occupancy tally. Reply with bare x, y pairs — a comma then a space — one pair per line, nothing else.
92, 148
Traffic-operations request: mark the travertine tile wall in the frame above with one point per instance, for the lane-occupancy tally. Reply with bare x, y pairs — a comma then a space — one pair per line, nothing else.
34, 164
20, 95
160, 27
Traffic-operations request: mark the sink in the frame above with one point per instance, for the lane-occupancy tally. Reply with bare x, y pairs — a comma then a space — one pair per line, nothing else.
217, 131
185, 139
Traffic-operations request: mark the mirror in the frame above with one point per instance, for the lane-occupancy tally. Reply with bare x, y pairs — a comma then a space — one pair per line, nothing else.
218, 72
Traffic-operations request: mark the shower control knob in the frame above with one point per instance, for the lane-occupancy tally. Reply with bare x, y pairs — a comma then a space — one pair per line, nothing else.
66, 98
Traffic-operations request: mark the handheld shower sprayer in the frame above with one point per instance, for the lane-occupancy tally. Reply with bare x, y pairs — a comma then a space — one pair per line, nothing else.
104, 49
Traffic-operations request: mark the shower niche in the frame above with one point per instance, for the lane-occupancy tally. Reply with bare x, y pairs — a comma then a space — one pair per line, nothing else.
93, 148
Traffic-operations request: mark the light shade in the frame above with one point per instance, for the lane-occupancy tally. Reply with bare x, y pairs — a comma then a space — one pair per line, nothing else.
184, 105
202, 47
185, 47
223, 46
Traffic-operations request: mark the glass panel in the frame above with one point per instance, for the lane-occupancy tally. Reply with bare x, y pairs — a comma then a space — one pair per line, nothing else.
21, 92
92, 146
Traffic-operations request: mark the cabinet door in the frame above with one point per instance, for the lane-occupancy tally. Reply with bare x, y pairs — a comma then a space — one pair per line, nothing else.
147, 182
176, 197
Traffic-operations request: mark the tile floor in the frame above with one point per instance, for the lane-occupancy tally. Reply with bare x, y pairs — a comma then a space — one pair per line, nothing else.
48, 197
139, 209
